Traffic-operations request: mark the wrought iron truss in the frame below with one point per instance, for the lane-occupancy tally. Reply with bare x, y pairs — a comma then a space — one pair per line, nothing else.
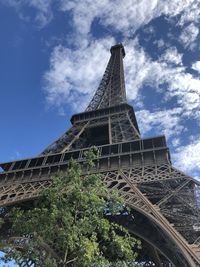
165, 202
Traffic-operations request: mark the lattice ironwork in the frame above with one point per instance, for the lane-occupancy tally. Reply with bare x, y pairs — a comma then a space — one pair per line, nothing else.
165, 202
111, 91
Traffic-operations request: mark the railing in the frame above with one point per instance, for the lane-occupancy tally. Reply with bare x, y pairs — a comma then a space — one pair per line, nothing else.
133, 147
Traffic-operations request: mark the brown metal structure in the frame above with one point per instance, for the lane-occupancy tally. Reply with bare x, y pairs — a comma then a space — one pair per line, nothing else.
165, 202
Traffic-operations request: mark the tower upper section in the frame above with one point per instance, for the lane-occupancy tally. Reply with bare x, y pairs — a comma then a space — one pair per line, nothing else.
111, 90
108, 119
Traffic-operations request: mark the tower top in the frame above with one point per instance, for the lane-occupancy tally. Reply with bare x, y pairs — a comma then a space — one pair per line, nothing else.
118, 46
111, 90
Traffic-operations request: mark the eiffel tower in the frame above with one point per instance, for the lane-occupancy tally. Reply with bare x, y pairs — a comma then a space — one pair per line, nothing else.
164, 201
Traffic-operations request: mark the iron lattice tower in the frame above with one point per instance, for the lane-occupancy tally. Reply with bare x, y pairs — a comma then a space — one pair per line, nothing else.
165, 201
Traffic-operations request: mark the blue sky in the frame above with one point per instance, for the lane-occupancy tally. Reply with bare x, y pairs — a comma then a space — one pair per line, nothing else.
53, 54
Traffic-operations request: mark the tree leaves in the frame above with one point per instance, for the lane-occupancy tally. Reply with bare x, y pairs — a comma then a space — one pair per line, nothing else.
70, 225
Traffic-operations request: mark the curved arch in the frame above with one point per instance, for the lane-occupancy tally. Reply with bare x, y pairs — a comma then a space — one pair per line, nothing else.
177, 255
143, 228
135, 199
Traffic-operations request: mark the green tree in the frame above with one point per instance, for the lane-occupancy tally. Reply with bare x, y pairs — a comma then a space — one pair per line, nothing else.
69, 225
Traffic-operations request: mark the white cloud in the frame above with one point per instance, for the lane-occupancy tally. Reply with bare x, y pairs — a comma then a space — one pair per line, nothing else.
189, 35
167, 122
137, 66
140, 70
84, 12
175, 142
172, 56
74, 74
44, 13
160, 43
187, 157
191, 13
126, 16
186, 88
196, 66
